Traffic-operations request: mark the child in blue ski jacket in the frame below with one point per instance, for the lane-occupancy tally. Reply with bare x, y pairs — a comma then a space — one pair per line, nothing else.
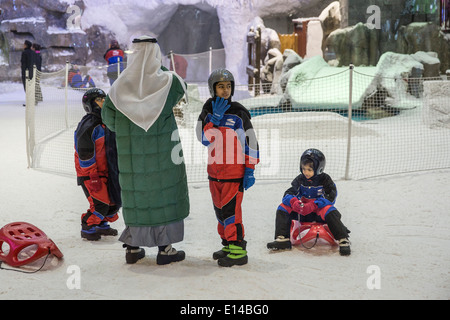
310, 198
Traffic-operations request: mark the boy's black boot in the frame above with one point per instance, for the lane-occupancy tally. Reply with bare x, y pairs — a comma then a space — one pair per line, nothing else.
339, 231
168, 254
280, 243
344, 247
89, 232
133, 254
223, 252
236, 257
105, 229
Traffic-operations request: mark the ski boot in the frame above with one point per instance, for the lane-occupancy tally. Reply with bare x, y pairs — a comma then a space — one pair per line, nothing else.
236, 257
105, 229
280, 243
223, 252
168, 254
89, 232
133, 254
344, 247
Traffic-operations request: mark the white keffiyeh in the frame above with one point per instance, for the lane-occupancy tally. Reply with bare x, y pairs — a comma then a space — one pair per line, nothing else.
141, 91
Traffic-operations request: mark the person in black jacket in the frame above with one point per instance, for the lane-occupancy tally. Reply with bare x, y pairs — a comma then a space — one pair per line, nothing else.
310, 198
38, 59
27, 61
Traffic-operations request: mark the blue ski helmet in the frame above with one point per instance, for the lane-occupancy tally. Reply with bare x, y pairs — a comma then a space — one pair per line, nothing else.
316, 157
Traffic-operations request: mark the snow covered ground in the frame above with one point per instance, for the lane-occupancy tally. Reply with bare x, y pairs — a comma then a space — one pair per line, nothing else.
400, 240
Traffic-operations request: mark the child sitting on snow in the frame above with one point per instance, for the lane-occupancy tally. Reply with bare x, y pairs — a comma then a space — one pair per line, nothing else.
76, 79
310, 199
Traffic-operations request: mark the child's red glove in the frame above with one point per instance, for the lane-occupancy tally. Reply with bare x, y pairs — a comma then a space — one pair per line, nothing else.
307, 208
95, 182
295, 204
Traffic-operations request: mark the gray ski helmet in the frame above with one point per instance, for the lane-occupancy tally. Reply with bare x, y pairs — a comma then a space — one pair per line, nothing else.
317, 158
89, 99
218, 76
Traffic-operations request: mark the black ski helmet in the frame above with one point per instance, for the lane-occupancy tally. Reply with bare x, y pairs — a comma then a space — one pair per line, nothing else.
89, 97
220, 75
317, 158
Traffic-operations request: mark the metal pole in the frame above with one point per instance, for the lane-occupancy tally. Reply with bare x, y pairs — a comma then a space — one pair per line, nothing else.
349, 137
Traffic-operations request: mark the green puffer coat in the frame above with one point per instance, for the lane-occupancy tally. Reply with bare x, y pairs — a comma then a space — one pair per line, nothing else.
154, 188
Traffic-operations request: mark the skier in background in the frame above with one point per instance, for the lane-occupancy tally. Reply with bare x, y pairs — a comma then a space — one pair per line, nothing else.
114, 56
76, 79
224, 126
96, 167
310, 198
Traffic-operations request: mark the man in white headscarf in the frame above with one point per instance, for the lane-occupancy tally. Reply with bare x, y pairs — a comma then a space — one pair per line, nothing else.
155, 195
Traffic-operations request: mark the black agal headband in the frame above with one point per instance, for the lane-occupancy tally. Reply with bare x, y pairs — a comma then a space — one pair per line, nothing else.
152, 40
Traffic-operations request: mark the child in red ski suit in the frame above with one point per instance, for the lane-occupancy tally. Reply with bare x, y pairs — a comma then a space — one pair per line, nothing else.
97, 170
224, 126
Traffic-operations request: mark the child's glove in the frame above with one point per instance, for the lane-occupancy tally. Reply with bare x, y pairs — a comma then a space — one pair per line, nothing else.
249, 179
322, 202
219, 107
95, 182
295, 204
307, 208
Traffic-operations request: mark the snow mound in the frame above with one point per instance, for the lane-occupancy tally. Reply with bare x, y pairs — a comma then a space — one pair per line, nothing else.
314, 84
309, 81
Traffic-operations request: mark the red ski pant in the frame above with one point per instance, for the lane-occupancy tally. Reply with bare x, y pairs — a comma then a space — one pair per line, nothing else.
100, 207
227, 199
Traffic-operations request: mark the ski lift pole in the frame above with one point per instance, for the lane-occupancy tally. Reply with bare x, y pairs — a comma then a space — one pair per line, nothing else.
349, 136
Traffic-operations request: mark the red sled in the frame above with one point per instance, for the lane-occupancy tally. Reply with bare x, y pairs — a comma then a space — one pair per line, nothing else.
314, 230
26, 242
